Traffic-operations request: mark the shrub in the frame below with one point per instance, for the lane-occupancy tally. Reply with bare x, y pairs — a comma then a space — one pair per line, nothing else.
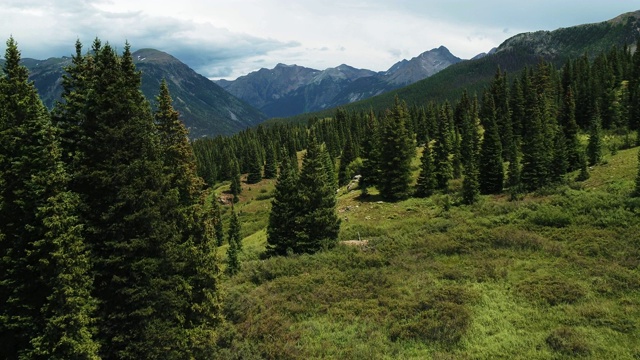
551, 290
567, 341
443, 318
264, 195
551, 216
513, 238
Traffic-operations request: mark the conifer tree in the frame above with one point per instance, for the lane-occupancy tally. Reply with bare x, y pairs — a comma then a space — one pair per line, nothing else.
46, 309
236, 186
329, 166
517, 107
371, 154
594, 146
270, 162
491, 167
426, 183
235, 245
255, 166
469, 150
397, 151
216, 218
144, 216
348, 155
500, 93
534, 173
513, 173
234, 231
560, 162
441, 150
182, 209
584, 171
570, 129
285, 207
317, 218
456, 163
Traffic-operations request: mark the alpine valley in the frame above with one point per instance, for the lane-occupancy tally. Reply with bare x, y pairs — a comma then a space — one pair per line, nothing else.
208, 110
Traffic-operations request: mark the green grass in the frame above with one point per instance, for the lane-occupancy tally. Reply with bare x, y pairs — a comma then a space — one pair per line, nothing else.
553, 275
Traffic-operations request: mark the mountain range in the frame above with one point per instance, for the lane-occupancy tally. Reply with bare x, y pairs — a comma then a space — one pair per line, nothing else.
206, 109
288, 90
224, 107
514, 55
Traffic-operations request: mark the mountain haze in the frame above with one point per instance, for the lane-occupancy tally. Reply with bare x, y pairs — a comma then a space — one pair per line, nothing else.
288, 90
206, 109
513, 55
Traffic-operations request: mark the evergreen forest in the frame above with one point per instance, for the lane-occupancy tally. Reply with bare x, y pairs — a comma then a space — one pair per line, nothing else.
501, 225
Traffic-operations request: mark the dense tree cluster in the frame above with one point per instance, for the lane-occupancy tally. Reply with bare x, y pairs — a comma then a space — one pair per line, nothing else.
520, 135
105, 253
303, 218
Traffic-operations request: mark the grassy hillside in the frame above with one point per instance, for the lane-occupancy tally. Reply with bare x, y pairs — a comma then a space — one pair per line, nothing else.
555, 274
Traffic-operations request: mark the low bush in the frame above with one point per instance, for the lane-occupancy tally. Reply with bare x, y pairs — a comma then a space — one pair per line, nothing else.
551, 216
567, 341
444, 317
551, 290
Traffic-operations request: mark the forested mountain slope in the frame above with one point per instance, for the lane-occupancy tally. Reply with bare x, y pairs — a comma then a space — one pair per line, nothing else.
206, 109
513, 55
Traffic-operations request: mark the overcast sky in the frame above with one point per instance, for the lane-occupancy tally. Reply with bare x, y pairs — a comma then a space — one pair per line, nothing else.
227, 39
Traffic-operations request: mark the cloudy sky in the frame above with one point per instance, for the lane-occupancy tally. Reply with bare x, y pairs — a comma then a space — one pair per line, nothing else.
227, 39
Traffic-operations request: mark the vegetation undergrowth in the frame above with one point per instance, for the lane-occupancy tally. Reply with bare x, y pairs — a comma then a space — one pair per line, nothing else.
553, 274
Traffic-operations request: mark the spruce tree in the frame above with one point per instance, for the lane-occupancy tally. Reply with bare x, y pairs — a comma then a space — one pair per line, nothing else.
500, 93
584, 170
46, 309
560, 161
216, 218
513, 174
144, 220
348, 155
255, 166
234, 231
456, 163
469, 151
441, 150
397, 150
534, 173
594, 146
285, 207
370, 154
317, 219
570, 129
426, 183
270, 162
491, 167
182, 209
236, 186
235, 245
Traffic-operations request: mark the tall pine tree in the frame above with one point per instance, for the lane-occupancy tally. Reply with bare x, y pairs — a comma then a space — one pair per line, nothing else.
426, 183
285, 207
397, 151
491, 168
46, 309
318, 221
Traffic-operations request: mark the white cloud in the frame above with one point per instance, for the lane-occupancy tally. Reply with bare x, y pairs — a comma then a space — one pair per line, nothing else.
227, 39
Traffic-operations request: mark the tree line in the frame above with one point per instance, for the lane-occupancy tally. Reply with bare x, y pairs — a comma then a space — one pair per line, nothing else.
524, 132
